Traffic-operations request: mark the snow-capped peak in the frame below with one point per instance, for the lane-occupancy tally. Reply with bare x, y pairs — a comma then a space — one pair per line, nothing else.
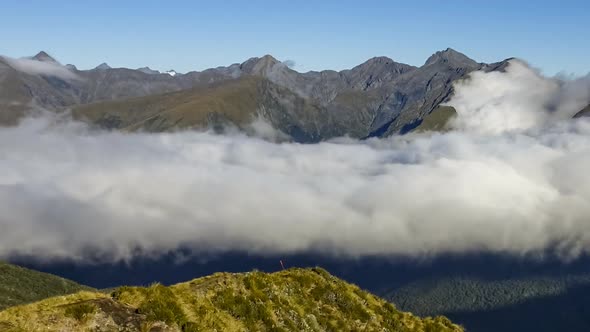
171, 72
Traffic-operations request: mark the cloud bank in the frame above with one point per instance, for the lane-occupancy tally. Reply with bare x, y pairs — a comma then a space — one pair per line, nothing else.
517, 99
70, 192
34, 67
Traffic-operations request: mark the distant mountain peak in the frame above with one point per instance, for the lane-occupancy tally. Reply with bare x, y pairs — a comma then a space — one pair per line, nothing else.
269, 58
375, 71
450, 56
148, 70
44, 57
103, 66
260, 66
380, 59
380, 63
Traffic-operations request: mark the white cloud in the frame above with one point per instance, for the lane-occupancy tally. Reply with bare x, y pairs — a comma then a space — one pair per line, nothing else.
290, 63
70, 192
34, 67
518, 99
261, 128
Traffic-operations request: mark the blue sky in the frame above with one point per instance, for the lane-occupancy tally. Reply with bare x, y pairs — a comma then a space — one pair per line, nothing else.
193, 35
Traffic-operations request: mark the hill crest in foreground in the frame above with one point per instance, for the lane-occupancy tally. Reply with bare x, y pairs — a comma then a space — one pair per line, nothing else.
289, 300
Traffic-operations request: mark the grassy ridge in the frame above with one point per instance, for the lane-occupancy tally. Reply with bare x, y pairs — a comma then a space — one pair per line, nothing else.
290, 300
438, 119
19, 285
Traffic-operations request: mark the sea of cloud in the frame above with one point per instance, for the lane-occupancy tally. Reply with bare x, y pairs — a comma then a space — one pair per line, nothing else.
512, 177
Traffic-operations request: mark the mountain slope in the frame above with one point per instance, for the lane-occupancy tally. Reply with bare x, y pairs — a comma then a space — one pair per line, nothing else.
218, 106
21, 91
583, 113
377, 98
413, 95
290, 300
236, 100
230, 103
437, 120
393, 97
19, 285
480, 304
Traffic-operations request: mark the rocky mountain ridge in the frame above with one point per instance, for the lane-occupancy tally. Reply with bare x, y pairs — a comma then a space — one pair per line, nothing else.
379, 97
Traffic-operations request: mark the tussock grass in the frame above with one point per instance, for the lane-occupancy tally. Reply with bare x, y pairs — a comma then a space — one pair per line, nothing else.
53, 314
289, 300
79, 311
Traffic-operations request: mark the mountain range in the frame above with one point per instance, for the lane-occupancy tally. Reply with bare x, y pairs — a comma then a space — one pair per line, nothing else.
379, 97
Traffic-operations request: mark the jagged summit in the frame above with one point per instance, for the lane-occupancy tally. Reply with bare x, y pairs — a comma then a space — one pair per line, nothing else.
44, 57
102, 66
260, 66
268, 59
375, 71
452, 57
381, 62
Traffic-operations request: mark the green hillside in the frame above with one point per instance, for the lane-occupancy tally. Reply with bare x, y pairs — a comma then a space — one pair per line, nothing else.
437, 120
235, 100
289, 300
460, 294
19, 285
538, 303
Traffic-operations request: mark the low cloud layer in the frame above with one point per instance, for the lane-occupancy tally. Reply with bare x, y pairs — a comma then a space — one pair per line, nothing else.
34, 67
517, 99
69, 192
